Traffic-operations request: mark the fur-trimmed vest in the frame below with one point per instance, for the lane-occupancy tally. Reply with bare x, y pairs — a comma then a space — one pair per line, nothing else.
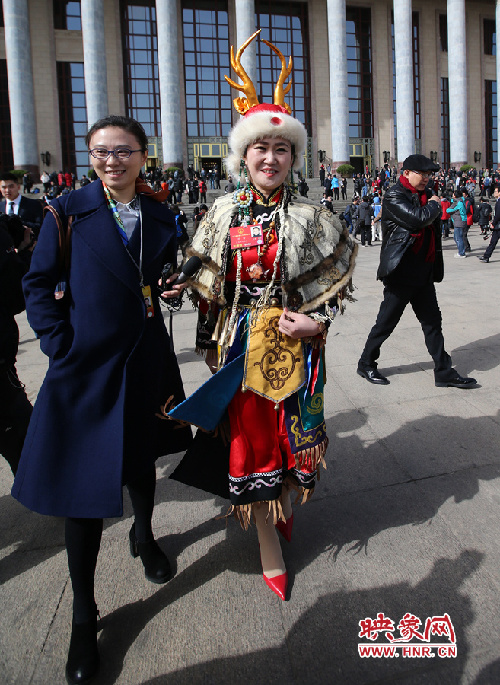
317, 262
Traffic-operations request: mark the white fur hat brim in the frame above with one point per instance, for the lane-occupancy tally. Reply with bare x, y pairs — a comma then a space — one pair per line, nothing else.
265, 124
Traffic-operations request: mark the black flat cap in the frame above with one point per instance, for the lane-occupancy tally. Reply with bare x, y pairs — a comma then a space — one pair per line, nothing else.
420, 163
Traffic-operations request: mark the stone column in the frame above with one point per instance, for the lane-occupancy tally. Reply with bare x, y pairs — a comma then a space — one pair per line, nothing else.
405, 107
339, 102
457, 80
94, 60
21, 91
497, 28
169, 74
245, 27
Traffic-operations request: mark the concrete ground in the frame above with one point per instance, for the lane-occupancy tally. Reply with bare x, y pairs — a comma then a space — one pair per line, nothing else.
404, 520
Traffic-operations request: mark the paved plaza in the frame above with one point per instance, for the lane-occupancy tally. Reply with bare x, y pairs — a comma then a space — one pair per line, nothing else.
405, 520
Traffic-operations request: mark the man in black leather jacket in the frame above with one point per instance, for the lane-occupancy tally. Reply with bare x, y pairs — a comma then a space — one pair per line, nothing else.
411, 261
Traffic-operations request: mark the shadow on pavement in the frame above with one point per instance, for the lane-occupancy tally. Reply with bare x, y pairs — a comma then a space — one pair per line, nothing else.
321, 647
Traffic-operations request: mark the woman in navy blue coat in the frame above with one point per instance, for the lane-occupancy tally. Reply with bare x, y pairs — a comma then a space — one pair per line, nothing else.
97, 423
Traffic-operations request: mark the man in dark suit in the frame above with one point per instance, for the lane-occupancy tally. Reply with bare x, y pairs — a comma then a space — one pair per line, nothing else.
29, 211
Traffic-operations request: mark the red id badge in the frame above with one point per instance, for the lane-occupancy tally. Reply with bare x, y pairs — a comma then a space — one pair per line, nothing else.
246, 236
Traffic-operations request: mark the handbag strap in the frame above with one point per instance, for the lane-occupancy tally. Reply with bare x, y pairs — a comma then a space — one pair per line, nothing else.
64, 256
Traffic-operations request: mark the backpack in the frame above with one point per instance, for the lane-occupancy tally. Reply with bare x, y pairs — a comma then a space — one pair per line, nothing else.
475, 214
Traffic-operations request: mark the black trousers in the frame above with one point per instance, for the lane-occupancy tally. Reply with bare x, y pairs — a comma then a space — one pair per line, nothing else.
495, 235
15, 414
424, 303
366, 234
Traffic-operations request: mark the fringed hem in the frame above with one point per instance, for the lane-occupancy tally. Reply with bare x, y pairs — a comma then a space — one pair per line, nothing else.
244, 512
311, 458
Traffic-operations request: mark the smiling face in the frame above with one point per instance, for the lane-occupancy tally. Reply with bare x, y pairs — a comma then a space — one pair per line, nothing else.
268, 162
118, 174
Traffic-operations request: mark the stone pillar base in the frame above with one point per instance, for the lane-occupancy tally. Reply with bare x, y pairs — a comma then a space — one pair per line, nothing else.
457, 165
335, 165
166, 165
32, 168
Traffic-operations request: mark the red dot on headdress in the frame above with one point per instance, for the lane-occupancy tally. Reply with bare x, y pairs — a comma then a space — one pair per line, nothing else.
276, 121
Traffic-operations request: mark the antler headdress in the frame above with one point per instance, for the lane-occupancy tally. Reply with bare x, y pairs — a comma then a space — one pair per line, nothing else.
243, 105
263, 120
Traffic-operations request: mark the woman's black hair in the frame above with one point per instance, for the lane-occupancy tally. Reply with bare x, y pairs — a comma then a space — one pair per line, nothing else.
126, 123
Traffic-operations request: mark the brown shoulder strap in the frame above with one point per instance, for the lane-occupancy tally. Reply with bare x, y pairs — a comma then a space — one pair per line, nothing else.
64, 238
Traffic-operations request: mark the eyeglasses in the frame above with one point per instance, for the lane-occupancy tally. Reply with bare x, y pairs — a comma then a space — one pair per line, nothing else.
424, 174
120, 153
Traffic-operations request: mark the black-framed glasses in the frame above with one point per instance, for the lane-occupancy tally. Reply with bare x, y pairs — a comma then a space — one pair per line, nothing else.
424, 174
120, 152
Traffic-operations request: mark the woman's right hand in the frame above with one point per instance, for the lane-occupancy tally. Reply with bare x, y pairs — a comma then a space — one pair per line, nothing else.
175, 290
212, 360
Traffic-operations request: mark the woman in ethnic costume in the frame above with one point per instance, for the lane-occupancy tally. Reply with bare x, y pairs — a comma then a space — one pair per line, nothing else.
273, 276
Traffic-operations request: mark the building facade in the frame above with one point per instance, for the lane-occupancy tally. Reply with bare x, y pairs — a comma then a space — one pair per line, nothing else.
373, 81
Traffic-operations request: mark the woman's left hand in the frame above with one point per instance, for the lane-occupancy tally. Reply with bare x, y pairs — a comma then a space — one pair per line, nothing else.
298, 325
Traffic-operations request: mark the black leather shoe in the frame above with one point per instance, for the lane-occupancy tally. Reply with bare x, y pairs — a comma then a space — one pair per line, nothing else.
484, 259
372, 375
456, 381
83, 656
156, 565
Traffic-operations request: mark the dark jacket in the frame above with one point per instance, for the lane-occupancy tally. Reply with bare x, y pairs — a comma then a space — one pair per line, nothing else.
30, 213
365, 213
496, 216
12, 270
403, 219
484, 213
110, 368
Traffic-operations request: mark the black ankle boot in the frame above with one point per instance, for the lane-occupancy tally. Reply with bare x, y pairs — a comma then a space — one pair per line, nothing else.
155, 562
83, 656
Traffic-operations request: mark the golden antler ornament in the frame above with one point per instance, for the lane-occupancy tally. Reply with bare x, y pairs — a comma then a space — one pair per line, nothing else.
243, 105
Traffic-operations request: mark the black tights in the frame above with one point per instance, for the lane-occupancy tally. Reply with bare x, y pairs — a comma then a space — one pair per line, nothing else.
83, 540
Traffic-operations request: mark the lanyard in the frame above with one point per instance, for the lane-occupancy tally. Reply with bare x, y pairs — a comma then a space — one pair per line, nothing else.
121, 230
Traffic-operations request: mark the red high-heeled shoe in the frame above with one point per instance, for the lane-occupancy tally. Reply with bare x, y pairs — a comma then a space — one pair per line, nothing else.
278, 584
285, 528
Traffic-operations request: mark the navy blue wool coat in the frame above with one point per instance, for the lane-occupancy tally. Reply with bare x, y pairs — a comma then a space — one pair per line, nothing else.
95, 425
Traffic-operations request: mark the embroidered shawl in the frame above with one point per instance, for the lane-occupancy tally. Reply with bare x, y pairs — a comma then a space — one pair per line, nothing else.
318, 254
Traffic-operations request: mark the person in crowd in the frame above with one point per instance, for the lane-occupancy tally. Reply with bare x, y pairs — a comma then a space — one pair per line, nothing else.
343, 188
15, 408
303, 187
97, 421
495, 228
327, 202
484, 216
45, 181
335, 187
203, 190
459, 212
322, 174
29, 211
376, 209
256, 299
364, 217
445, 217
411, 261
